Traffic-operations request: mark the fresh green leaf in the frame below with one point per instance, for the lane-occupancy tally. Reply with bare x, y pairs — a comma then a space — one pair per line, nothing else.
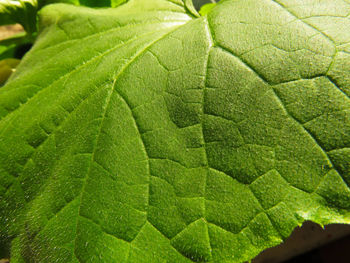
205, 9
144, 134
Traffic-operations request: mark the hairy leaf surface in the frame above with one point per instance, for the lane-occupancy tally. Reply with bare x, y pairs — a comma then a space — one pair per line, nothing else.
145, 134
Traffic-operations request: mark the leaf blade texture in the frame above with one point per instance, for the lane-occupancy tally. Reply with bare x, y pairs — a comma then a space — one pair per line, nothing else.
144, 134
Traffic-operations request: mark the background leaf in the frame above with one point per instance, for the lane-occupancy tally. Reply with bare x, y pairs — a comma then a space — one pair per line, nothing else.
7, 66
205, 9
24, 12
19, 11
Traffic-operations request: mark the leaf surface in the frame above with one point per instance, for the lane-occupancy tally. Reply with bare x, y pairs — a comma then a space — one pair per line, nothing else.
143, 134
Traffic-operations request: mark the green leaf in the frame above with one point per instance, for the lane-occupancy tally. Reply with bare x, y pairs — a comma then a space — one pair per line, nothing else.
144, 134
205, 9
